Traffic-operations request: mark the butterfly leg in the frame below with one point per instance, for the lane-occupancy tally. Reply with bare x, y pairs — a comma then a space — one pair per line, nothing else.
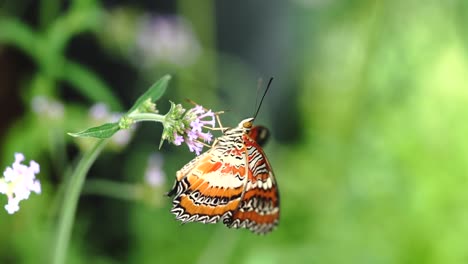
216, 115
219, 120
204, 144
220, 125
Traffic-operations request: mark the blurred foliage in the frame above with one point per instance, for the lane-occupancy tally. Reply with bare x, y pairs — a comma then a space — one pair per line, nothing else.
377, 174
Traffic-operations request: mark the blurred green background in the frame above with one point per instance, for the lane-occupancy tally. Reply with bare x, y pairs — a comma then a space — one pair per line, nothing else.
368, 113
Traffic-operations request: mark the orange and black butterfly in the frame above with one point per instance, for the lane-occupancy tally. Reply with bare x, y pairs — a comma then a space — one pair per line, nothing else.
233, 181
260, 134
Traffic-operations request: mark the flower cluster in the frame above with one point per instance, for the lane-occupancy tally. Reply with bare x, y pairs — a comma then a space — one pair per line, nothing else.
18, 182
187, 126
166, 39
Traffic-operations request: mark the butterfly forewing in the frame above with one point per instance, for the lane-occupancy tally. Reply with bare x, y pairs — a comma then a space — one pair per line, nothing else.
233, 182
209, 187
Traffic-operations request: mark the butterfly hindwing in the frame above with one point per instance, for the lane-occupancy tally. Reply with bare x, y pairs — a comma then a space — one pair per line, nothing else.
260, 134
259, 207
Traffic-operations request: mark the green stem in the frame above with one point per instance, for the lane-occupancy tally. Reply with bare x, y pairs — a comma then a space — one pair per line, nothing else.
70, 202
138, 117
124, 191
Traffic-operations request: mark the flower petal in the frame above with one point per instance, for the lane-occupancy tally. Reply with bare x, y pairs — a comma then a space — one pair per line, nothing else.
12, 206
34, 167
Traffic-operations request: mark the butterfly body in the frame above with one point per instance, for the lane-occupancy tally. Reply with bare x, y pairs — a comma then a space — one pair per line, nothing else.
232, 182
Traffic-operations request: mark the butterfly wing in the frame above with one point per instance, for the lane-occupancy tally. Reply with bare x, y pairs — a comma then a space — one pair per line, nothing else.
209, 188
259, 207
259, 134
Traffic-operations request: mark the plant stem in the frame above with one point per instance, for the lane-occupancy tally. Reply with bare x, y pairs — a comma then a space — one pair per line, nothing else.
138, 117
70, 202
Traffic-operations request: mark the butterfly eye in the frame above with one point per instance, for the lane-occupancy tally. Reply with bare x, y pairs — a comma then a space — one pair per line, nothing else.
247, 124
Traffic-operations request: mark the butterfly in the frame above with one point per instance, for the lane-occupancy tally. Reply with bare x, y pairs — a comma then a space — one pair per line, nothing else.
260, 134
232, 182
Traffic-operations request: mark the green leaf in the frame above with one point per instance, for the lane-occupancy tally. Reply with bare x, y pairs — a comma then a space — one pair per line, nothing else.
103, 131
153, 93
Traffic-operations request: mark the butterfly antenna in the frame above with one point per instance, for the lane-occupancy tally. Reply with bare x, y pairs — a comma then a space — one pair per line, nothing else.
263, 97
259, 85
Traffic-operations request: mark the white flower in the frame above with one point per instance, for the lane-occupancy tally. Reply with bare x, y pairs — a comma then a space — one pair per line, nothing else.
12, 205
18, 182
47, 107
154, 175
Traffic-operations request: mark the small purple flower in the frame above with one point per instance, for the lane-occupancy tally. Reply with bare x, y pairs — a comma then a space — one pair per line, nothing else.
178, 140
198, 109
18, 182
196, 125
195, 146
100, 111
207, 137
166, 39
192, 134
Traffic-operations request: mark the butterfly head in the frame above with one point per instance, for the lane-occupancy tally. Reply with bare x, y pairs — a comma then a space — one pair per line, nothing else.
246, 124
